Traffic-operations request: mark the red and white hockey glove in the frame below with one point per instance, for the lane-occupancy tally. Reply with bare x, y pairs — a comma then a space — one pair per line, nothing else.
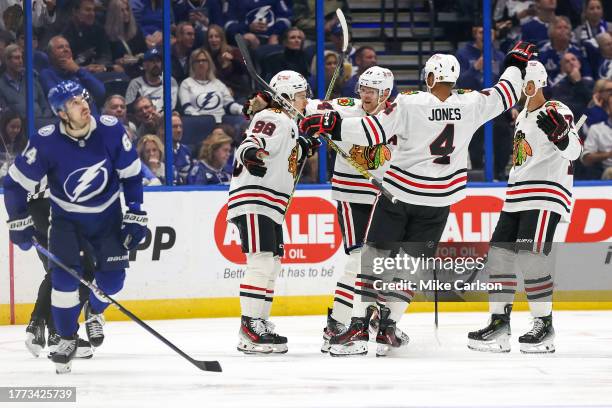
329, 122
257, 102
519, 55
253, 161
554, 125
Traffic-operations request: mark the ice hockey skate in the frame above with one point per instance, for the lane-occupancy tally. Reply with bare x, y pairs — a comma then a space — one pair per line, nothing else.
540, 339
84, 349
254, 337
94, 326
389, 338
35, 336
63, 355
333, 328
353, 341
494, 338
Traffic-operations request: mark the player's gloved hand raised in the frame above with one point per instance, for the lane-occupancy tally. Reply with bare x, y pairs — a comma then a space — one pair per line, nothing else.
329, 122
253, 161
519, 55
21, 231
554, 125
134, 228
258, 101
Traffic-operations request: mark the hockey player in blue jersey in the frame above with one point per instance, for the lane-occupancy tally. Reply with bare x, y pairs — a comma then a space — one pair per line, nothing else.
87, 160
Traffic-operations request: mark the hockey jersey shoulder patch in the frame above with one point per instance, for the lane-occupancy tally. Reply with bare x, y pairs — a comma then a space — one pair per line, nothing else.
46, 130
410, 92
553, 104
108, 120
345, 101
275, 110
463, 91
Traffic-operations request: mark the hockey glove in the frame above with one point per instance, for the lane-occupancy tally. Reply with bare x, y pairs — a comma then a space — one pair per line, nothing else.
21, 232
554, 125
519, 55
256, 102
329, 122
253, 161
134, 228
308, 146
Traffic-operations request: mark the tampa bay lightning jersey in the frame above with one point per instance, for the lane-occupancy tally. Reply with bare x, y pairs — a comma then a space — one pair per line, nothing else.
84, 175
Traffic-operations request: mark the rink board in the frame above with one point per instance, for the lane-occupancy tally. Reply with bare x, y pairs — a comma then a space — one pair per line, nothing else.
190, 265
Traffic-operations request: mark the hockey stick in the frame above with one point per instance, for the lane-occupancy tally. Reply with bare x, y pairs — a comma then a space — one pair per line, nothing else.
330, 86
202, 365
288, 107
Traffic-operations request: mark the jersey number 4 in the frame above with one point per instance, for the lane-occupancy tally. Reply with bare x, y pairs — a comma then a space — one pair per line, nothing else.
443, 145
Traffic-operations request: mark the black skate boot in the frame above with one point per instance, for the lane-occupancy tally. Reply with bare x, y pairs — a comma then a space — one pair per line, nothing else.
254, 337
333, 328
94, 323
64, 353
495, 337
35, 336
540, 339
389, 336
354, 340
279, 345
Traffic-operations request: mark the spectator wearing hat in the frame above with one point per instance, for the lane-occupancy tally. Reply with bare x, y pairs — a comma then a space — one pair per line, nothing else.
151, 82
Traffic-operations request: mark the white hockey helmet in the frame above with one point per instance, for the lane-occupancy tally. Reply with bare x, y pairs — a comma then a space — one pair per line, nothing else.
535, 72
378, 78
444, 67
289, 83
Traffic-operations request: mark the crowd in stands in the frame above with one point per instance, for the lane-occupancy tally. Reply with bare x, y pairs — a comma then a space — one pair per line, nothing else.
113, 48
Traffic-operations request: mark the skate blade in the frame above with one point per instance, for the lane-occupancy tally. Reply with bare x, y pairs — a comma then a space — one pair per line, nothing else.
35, 349
326, 346
280, 349
61, 368
251, 349
546, 347
499, 345
358, 348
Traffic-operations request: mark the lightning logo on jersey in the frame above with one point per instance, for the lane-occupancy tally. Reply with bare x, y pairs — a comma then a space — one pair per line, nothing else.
92, 179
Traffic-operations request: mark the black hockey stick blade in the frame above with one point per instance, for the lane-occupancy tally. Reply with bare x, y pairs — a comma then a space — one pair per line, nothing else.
202, 365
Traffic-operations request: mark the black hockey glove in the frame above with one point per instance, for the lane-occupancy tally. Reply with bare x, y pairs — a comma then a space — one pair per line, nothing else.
258, 101
330, 122
308, 146
134, 228
21, 232
554, 125
519, 55
252, 159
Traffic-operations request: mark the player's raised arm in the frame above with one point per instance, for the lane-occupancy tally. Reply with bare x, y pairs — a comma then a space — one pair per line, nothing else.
507, 91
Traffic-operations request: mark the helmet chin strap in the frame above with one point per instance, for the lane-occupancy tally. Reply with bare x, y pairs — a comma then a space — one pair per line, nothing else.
528, 98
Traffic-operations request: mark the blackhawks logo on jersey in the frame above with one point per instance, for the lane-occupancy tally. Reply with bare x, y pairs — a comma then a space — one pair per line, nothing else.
370, 157
345, 101
522, 149
293, 161
409, 92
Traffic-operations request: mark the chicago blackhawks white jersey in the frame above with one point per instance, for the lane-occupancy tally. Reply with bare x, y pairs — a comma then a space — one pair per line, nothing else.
429, 165
347, 183
541, 177
277, 133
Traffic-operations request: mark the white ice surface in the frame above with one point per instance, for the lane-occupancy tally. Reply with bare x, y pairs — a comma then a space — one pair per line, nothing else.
133, 369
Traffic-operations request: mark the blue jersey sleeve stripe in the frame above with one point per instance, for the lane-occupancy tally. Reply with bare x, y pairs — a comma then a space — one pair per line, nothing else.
19, 177
131, 170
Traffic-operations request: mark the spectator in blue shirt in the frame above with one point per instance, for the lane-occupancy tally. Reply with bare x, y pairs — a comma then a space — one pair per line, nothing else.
213, 156
596, 110
604, 58
63, 68
560, 33
536, 29
181, 152
471, 61
572, 89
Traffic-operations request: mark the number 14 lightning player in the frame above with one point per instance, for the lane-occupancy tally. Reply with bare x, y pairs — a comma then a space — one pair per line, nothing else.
86, 160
